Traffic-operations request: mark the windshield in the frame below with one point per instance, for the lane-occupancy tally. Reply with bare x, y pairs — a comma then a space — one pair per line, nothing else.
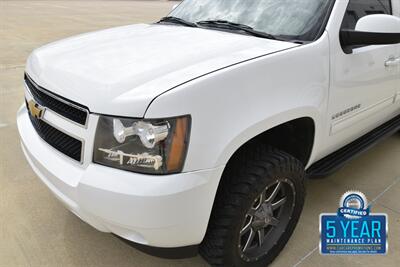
293, 19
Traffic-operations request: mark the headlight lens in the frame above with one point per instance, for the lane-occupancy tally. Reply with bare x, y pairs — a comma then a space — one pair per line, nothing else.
145, 146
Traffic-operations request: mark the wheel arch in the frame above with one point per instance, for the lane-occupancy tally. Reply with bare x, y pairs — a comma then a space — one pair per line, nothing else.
295, 136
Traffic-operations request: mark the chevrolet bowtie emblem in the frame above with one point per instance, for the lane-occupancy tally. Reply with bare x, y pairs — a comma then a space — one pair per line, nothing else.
35, 109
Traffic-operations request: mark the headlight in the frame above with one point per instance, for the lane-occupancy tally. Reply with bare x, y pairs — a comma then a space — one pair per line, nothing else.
145, 146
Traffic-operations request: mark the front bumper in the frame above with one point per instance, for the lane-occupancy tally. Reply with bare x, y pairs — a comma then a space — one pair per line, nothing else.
164, 211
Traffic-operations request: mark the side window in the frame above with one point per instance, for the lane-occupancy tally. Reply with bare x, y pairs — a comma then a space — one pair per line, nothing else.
360, 8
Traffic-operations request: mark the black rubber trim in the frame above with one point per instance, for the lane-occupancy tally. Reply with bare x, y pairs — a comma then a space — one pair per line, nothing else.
166, 253
338, 159
352, 37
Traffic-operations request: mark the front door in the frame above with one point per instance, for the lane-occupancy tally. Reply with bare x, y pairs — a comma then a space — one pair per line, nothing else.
363, 85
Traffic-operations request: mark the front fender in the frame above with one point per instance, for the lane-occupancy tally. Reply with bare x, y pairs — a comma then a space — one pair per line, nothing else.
235, 104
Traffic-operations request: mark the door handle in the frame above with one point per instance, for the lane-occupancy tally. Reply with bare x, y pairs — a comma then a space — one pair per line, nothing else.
392, 62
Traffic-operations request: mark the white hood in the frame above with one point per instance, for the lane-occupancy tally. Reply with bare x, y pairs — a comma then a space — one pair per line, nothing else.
120, 71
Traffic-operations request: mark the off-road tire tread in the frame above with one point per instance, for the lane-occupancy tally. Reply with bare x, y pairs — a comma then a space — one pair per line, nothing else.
244, 170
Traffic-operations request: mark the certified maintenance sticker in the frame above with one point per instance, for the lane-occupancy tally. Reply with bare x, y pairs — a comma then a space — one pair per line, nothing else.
353, 229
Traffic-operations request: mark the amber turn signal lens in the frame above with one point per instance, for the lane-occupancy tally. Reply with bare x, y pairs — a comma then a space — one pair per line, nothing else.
179, 145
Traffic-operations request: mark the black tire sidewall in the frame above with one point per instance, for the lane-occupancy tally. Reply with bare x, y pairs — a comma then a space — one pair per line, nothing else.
280, 173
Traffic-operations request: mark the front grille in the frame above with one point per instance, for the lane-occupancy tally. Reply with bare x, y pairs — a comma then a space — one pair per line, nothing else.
66, 108
57, 139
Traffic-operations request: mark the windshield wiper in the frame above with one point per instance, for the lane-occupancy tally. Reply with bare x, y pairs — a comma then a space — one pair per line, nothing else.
224, 24
177, 20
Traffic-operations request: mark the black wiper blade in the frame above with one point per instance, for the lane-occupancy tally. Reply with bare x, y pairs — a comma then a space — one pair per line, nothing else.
235, 26
177, 20
223, 22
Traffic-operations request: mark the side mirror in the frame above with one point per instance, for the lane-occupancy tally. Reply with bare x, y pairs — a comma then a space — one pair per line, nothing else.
174, 6
372, 30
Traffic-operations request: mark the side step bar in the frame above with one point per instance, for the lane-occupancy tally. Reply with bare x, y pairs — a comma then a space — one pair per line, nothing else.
339, 158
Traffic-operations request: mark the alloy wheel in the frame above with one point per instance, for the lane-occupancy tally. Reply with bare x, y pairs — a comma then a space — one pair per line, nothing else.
266, 220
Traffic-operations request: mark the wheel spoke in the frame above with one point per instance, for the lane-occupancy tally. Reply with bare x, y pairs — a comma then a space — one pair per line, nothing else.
246, 228
274, 221
251, 212
279, 203
275, 192
260, 237
266, 219
262, 197
249, 241
259, 201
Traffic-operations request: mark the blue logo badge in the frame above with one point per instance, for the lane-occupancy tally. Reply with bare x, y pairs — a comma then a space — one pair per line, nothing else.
353, 229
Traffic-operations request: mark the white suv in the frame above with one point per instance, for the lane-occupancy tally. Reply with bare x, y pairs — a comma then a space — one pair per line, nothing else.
199, 130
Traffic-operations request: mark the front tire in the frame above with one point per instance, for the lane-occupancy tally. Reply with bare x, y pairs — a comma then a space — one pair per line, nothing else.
257, 207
